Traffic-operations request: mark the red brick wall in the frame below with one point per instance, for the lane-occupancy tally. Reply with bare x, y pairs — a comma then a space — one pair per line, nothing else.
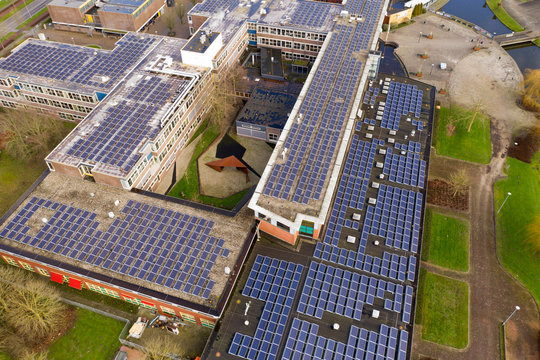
179, 311
278, 232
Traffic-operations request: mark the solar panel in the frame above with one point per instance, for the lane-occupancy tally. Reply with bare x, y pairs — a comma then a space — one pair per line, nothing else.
136, 245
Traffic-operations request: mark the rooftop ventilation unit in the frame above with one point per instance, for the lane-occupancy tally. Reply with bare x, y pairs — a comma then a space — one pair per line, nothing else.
351, 239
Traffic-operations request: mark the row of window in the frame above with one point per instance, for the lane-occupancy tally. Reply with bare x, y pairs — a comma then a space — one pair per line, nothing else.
58, 104
295, 56
110, 292
291, 33
58, 93
7, 93
288, 44
6, 82
70, 117
8, 104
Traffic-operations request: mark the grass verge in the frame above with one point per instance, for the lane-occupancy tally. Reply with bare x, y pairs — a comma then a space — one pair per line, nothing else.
519, 210
17, 9
537, 42
444, 310
472, 146
446, 241
38, 14
92, 337
188, 186
503, 16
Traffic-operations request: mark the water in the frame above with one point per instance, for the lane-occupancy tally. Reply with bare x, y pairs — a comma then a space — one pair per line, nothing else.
477, 12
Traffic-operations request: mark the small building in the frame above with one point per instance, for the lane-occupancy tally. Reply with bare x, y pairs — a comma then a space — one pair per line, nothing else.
265, 114
398, 13
271, 64
202, 49
107, 15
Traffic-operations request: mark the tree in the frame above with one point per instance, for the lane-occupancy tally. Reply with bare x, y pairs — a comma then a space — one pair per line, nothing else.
30, 310
169, 19
533, 239
180, 11
476, 111
29, 135
530, 90
194, 2
161, 346
459, 182
223, 98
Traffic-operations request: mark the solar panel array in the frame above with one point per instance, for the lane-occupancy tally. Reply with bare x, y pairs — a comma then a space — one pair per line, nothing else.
304, 343
78, 64
310, 13
129, 124
409, 169
401, 100
275, 282
147, 242
312, 142
214, 6
396, 217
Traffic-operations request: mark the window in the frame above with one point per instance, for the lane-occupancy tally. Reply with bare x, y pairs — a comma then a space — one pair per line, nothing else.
85, 170
273, 137
42, 271
10, 261
131, 300
167, 310
307, 228
208, 323
148, 305
187, 317
283, 226
27, 266
102, 290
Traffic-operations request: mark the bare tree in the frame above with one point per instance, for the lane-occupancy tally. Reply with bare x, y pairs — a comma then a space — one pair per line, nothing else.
169, 19
459, 182
30, 134
476, 111
223, 99
159, 346
180, 10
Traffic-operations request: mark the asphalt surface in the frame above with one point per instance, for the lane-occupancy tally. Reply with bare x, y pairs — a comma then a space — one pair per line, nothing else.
21, 16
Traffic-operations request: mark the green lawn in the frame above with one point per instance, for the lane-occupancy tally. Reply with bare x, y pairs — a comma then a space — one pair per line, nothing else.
472, 146
518, 211
4, 356
16, 176
92, 337
443, 310
188, 186
446, 241
503, 16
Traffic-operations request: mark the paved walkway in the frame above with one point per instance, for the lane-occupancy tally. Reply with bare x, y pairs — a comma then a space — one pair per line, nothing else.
525, 13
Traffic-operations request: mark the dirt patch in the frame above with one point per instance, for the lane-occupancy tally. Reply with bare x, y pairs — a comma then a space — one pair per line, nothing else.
440, 193
528, 143
70, 315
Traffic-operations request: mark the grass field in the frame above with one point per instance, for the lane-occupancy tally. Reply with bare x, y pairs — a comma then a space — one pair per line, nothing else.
443, 310
446, 241
522, 206
188, 186
472, 146
503, 16
93, 337
16, 176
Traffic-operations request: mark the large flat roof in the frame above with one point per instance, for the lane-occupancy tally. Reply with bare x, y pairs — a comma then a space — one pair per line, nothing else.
298, 175
267, 108
226, 15
367, 286
172, 249
111, 138
76, 68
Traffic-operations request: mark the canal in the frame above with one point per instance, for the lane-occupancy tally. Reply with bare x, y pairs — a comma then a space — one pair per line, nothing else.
477, 12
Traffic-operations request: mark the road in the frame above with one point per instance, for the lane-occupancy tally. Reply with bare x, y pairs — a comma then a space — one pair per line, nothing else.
21, 16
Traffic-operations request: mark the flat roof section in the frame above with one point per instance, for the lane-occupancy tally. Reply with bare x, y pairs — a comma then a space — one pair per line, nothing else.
267, 108
294, 14
201, 41
111, 138
363, 274
73, 67
271, 64
166, 247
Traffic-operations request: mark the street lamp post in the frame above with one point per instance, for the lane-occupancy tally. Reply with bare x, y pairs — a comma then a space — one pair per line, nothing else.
506, 198
419, 36
430, 71
508, 318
